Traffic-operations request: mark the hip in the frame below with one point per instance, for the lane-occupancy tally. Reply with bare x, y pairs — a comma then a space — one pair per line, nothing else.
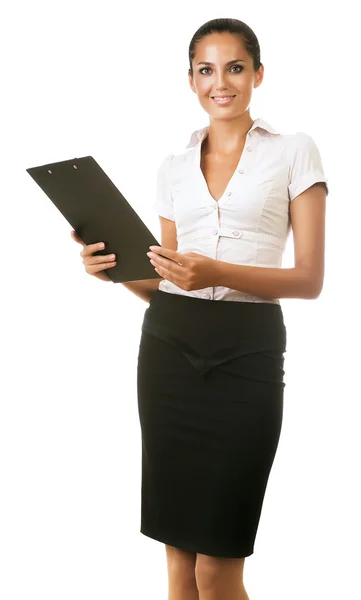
211, 332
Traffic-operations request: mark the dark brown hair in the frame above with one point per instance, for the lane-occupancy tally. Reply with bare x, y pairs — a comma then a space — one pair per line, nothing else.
234, 26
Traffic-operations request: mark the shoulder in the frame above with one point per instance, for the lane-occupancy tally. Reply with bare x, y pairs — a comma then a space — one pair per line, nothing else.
300, 149
178, 160
165, 164
301, 142
189, 150
305, 166
164, 168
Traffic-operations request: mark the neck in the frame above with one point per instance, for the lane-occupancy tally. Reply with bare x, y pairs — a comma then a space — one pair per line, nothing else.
226, 137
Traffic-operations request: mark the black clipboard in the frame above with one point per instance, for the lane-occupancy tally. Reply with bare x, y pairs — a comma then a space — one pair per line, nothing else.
97, 211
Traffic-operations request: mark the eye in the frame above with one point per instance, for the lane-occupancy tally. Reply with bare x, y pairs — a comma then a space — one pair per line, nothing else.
232, 67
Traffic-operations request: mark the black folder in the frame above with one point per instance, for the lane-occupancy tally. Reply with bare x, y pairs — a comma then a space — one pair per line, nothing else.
98, 212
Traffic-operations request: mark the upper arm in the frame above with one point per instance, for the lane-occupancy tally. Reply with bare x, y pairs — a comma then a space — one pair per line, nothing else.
168, 234
164, 205
307, 215
308, 189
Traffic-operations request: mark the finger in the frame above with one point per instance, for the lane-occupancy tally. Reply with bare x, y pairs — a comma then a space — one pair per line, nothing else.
168, 253
92, 269
170, 276
173, 274
76, 237
91, 248
167, 264
162, 273
99, 259
87, 248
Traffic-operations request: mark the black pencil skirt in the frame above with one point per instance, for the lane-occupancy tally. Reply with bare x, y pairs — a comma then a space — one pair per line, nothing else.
210, 400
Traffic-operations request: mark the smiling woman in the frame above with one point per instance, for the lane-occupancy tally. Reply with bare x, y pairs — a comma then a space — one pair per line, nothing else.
211, 354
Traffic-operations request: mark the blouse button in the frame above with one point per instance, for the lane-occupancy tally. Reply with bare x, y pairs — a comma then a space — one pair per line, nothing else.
249, 149
236, 233
241, 171
229, 193
208, 296
214, 231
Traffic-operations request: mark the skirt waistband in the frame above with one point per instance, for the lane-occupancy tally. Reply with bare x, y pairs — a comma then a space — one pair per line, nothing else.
211, 326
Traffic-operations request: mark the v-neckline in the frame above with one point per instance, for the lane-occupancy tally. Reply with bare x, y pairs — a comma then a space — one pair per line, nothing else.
199, 157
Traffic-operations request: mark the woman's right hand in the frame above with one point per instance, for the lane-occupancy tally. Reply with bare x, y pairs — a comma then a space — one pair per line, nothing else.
94, 265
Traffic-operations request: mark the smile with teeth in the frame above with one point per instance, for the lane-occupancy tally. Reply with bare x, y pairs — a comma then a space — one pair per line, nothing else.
222, 99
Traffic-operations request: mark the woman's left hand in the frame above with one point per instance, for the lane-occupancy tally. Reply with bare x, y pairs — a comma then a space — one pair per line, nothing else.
197, 271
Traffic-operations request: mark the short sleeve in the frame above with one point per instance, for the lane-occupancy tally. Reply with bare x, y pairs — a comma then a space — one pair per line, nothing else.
163, 204
305, 167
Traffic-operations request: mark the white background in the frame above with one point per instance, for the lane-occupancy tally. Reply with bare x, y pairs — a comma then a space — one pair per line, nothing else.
110, 80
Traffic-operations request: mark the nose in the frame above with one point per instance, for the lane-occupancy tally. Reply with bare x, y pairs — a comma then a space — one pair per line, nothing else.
220, 81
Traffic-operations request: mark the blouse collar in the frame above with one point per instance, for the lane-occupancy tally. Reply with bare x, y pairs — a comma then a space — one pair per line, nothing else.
198, 135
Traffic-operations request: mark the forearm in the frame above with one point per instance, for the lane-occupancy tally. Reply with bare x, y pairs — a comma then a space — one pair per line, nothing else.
144, 288
266, 282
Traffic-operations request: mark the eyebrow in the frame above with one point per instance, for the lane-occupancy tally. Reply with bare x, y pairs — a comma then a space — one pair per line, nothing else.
205, 62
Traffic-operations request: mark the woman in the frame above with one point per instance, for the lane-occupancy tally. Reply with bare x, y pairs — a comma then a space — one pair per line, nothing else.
211, 355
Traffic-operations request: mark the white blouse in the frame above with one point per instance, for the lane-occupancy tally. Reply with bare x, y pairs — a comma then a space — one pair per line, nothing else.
250, 224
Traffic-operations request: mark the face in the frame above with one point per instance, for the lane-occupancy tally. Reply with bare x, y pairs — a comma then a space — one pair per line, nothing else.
237, 79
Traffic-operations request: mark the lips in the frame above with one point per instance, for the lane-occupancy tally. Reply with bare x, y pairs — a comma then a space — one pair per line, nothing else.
223, 100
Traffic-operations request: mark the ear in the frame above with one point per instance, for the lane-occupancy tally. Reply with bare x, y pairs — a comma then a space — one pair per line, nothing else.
259, 77
191, 82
